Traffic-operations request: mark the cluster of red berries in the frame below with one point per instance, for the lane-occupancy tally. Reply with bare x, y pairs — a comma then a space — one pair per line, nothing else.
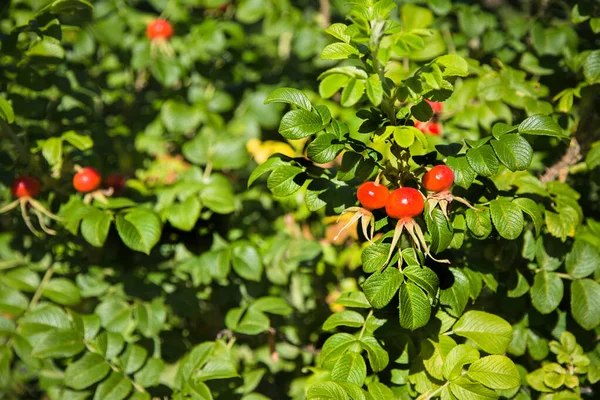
431, 127
84, 181
404, 202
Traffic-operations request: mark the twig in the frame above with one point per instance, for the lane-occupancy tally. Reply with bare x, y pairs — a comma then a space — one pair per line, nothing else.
325, 13
40, 289
560, 170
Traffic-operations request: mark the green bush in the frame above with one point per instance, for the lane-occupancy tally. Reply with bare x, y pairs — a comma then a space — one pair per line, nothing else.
226, 254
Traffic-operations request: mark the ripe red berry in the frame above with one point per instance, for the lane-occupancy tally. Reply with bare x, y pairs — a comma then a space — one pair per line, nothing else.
434, 128
87, 180
405, 202
436, 106
372, 195
115, 181
438, 179
25, 186
159, 29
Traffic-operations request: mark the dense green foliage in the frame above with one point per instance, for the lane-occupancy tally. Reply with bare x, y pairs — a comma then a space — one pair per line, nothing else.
220, 268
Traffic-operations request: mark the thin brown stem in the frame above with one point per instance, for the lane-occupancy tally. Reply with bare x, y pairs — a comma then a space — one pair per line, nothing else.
325, 13
560, 170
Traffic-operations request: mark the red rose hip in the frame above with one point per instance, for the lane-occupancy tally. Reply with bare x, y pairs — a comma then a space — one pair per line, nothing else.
405, 202
372, 195
436, 106
159, 29
25, 186
434, 128
438, 179
87, 180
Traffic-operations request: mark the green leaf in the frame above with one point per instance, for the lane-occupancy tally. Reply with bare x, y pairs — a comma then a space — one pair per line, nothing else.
547, 291
488, 331
110, 344
422, 111
114, 314
507, 217
532, 209
479, 222
464, 174
325, 148
343, 318
116, 387
453, 65
423, 277
58, 344
378, 356
456, 296
414, 17
272, 163
6, 111
139, 229
52, 150
62, 291
483, 160
350, 367
273, 305
95, 226
591, 67
22, 279
150, 317
582, 260
338, 51
541, 125
184, 215
326, 391
86, 371
513, 151
464, 389
337, 30
458, 357
404, 136
285, 180
331, 84
352, 93
380, 287
298, 124
180, 117
414, 308
353, 299
80, 142
47, 47
246, 261
379, 391
335, 347
374, 90
585, 303
217, 195
593, 156
373, 257
440, 230
289, 96
495, 372
133, 358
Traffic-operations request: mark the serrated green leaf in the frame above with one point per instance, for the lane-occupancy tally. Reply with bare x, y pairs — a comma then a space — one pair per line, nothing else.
139, 229
285, 180
338, 51
458, 357
483, 160
495, 372
351, 368
513, 151
585, 303
289, 96
414, 308
116, 387
86, 371
488, 331
343, 318
541, 125
298, 124
380, 287
507, 218
547, 291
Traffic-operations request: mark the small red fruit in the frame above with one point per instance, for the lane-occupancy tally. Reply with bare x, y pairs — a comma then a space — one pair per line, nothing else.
436, 106
434, 128
115, 181
438, 179
25, 186
159, 29
405, 202
372, 195
86, 180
